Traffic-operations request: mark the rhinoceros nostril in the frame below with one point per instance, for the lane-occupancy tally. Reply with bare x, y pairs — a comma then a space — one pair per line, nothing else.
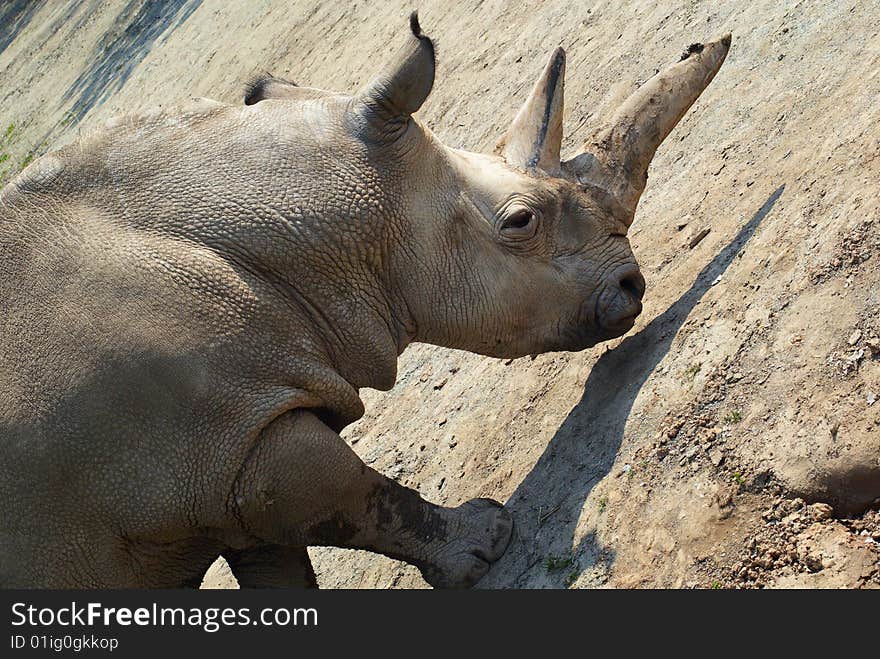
633, 284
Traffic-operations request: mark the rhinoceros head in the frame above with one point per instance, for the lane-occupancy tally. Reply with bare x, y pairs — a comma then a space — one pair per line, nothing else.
520, 251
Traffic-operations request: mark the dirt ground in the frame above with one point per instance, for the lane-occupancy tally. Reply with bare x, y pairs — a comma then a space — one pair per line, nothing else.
732, 439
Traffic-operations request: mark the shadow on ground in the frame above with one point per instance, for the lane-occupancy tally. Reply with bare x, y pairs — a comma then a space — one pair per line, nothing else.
15, 15
123, 47
549, 501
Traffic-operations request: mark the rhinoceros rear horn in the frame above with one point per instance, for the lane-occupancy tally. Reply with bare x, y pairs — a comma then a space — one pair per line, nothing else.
535, 136
404, 84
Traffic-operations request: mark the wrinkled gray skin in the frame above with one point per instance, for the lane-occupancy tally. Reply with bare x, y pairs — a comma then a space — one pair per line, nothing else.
192, 300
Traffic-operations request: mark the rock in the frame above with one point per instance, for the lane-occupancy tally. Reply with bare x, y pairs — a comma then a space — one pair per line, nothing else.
870, 397
697, 237
854, 337
824, 468
855, 357
813, 562
716, 457
820, 511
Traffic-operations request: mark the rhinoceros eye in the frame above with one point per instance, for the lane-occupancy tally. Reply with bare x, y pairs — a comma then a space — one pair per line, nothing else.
519, 223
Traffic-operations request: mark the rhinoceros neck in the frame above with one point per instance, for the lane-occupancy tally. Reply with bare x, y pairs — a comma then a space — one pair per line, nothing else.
322, 297
352, 323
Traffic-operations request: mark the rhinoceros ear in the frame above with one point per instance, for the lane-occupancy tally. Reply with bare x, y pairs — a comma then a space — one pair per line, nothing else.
401, 88
535, 137
268, 86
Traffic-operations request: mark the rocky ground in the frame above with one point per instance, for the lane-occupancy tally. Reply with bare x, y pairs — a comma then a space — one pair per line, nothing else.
732, 439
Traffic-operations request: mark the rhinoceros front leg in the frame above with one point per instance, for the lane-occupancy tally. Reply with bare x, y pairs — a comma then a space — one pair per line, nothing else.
303, 485
272, 566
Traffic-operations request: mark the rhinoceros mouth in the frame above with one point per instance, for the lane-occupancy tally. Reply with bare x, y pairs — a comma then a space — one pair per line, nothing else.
620, 327
600, 321
616, 310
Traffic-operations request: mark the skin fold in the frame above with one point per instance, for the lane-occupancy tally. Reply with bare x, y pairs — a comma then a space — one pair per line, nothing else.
193, 298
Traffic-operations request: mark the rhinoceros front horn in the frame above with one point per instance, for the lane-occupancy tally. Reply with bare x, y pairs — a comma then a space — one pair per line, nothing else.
402, 86
535, 136
616, 159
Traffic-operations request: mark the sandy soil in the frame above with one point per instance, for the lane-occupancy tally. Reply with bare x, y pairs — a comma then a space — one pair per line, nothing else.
732, 439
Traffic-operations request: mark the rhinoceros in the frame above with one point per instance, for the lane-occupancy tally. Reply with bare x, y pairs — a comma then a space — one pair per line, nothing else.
193, 298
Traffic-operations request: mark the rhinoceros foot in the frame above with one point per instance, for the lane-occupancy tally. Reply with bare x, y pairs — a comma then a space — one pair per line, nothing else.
481, 530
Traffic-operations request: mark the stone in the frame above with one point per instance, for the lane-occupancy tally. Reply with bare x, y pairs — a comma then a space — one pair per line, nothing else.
820, 511
697, 237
